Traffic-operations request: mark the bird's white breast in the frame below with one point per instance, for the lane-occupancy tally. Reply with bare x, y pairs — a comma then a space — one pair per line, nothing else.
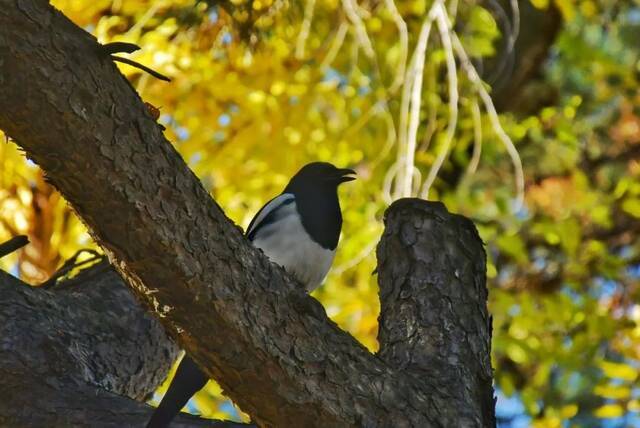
287, 244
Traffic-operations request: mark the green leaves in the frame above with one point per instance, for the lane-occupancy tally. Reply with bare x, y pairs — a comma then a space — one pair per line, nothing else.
482, 32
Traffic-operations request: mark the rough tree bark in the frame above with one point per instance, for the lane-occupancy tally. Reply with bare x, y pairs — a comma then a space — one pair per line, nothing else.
70, 356
433, 318
247, 323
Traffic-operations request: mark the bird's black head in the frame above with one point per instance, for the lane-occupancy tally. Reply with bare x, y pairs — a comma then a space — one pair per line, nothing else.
318, 176
315, 188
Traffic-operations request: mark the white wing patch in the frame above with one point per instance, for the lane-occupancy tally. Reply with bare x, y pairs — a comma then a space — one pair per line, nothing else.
287, 244
267, 209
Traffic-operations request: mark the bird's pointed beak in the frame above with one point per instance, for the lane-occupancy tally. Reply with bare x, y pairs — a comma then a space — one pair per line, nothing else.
346, 174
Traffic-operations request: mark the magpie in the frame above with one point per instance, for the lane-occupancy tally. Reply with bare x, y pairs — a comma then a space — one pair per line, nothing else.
298, 230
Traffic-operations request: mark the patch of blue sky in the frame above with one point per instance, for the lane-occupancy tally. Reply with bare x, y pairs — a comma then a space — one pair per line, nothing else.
195, 158
182, 133
605, 287
364, 90
574, 384
520, 210
567, 342
165, 119
510, 411
539, 263
621, 422
155, 398
227, 38
575, 296
333, 75
15, 270
626, 252
192, 407
634, 271
514, 310
228, 407
213, 15
293, 100
632, 17
505, 274
224, 120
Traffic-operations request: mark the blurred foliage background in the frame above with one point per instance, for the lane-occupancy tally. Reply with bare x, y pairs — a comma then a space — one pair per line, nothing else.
549, 171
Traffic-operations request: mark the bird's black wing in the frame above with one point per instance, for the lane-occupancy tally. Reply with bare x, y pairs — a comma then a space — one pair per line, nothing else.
268, 213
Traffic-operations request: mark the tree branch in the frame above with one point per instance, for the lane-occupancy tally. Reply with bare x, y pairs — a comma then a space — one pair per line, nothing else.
71, 356
431, 322
13, 244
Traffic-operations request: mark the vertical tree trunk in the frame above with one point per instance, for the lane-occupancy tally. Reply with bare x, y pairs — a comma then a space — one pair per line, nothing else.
434, 321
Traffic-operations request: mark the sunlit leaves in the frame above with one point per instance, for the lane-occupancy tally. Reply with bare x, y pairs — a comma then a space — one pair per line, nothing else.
609, 411
619, 371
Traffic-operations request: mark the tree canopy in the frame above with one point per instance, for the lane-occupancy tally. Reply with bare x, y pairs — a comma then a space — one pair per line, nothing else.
400, 91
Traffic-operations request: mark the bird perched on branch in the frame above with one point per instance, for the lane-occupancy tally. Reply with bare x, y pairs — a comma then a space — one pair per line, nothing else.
298, 230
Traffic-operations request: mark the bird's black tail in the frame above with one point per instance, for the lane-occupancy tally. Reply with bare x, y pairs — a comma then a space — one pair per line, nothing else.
188, 380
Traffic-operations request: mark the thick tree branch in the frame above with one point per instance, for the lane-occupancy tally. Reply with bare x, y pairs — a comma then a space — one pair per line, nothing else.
72, 355
433, 318
246, 322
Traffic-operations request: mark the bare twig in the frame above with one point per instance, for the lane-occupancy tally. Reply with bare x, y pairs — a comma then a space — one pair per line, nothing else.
118, 47
338, 40
71, 264
13, 244
444, 28
493, 117
404, 44
303, 35
361, 32
141, 67
477, 138
410, 108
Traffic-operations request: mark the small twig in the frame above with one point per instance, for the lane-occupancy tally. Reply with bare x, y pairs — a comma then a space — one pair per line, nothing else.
444, 27
403, 35
304, 29
13, 244
71, 264
361, 32
391, 135
477, 138
414, 100
335, 46
141, 67
475, 80
118, 47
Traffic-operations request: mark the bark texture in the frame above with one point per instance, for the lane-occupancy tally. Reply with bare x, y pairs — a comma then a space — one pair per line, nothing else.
433, 320
244, 321
80, 354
